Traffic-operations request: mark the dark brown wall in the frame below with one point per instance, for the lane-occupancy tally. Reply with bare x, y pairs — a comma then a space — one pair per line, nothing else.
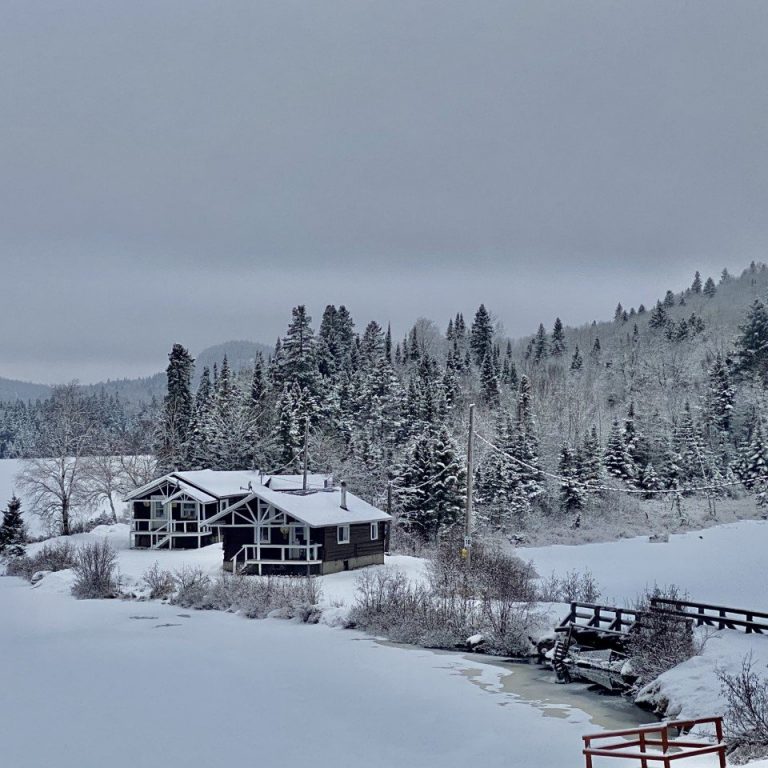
360, 543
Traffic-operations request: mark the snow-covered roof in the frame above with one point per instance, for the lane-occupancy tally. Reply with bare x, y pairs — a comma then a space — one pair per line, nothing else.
214, 484
192, 492
315, 509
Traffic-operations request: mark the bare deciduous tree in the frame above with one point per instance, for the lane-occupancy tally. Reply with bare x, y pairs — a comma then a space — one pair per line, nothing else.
55, 484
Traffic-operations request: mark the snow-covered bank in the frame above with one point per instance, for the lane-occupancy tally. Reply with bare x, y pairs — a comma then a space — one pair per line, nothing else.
724, 564
125, 684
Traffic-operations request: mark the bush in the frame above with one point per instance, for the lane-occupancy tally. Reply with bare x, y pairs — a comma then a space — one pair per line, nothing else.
255, 597
192, 585
95, 571
159, 582
86, 526
659, 641
491, 597
575, 586
51, 557
746, 718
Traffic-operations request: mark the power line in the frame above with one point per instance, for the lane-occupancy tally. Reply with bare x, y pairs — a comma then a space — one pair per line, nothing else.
588, 488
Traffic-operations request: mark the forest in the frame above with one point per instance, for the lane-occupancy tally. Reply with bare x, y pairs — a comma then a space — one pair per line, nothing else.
666, 401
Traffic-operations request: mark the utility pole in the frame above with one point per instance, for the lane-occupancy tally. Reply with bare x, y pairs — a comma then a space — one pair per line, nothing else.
388, 526
470, 469
306, 454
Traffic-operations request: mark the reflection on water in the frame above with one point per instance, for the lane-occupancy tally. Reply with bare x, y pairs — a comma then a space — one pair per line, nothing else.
536, 686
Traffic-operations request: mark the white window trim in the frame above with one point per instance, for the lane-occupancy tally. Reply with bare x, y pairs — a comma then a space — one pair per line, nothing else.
182, 516
342, 534
157, 502
374, 531
264, 535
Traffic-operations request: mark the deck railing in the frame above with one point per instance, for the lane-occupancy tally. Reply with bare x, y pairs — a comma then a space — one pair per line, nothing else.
255, 554
652, 743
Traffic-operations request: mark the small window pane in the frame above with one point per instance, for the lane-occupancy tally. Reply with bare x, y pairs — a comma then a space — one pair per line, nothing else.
342, 534
374, 531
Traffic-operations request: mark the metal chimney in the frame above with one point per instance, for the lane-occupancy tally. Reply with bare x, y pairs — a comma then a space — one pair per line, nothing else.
343, 494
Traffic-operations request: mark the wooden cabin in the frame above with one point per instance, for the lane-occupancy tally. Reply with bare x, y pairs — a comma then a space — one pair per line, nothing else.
173, 511
278, 529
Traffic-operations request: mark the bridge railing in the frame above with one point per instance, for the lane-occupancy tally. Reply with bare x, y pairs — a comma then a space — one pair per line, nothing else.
656, 743
720, 616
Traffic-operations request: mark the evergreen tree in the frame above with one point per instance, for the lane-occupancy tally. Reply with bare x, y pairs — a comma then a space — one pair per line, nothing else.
720, 396
557, 346
289, 431
753, 467
576, 361
489, 382
752, 342
540, 344
525, 443
572, 492
649, 481
596, 351
177, 409
199, 445
617, 315
710, 289
616, 458
589, 459
13, 534
659, 318
696, 285
298, 361
481, 335
669, 299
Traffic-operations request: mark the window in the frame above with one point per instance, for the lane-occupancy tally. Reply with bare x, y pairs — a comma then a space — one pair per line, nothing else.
188, 510
342, 534
374, 531
158, 509
264, 534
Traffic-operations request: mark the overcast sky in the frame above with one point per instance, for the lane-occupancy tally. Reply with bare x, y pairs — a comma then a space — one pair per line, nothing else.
188, 171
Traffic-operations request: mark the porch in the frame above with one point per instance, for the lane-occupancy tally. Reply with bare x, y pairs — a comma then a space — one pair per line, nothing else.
287, 558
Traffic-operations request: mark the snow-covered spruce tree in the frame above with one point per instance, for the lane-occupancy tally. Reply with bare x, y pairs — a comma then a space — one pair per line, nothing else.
525, 443
753, 469
696, 285
497, 480
669, 299
589, 459
557, 345
233, 435
289, 433
649, 480
688, 444
577, 363
616, 459
13, 534
659, 318
752, 343
710, 289
449, 488
201, 427
298, 362
177, 410
572, 493
720, 397
595, 352
540, 344
489, 381
481, 335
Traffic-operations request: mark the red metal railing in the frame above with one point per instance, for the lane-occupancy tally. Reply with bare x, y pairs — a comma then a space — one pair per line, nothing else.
656, 738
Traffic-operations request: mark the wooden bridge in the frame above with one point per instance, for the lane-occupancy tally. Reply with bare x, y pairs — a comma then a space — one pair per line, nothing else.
592, 626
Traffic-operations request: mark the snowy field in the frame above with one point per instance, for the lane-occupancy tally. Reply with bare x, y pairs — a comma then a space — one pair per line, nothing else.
724, 564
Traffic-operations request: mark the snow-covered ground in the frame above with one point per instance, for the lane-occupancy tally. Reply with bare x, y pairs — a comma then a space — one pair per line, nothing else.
724, 564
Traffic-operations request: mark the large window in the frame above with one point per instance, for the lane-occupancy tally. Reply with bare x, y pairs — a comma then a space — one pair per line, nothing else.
374, 531
342, 534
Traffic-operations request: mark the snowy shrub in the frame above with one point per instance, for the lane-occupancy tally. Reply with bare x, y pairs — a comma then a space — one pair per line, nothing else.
575, 586
159, 582
192, 587
86, 526
50, 557
659, 641
95, 570
255, 597
746, 718
446, 612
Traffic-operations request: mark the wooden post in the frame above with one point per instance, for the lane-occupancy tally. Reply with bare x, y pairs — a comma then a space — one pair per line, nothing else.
306, 454
470, 470
388, 525
643, 761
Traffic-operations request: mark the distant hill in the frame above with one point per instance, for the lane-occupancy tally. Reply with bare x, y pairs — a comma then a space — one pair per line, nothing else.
11, 389
240, 355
